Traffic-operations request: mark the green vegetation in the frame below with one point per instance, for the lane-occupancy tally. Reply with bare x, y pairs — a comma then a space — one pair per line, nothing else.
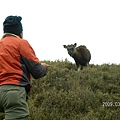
66, 94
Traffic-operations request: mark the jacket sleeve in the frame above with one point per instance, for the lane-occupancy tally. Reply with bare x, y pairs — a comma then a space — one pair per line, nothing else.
30, 60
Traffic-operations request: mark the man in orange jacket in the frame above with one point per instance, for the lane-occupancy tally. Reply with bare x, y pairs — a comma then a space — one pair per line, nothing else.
17, 62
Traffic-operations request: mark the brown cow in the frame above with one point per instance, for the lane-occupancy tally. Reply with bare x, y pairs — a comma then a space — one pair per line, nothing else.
80, 54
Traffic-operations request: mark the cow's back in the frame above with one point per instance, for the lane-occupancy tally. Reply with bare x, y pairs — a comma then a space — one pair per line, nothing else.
84, 53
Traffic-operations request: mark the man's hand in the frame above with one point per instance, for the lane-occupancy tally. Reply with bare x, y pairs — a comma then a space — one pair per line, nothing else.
45, 65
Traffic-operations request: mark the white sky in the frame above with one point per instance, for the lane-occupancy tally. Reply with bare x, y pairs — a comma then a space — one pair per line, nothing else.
49, 24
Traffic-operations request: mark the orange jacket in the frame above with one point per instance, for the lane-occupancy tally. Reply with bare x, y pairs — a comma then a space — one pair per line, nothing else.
18, 61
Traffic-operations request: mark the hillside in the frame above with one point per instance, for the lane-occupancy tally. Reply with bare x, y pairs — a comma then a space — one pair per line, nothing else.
66, 94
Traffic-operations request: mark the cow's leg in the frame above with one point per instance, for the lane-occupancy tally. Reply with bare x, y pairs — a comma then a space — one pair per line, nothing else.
78, 67
81, 68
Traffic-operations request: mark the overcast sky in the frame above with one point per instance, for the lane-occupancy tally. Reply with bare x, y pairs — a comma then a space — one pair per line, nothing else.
50, 24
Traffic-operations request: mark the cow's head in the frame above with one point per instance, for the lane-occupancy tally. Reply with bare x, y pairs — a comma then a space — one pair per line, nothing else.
70, 48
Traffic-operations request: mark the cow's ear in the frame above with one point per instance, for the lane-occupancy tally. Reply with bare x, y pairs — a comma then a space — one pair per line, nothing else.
75, 44
64, 46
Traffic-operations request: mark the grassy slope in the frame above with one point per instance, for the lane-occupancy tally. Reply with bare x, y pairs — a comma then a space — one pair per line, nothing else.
65, 94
